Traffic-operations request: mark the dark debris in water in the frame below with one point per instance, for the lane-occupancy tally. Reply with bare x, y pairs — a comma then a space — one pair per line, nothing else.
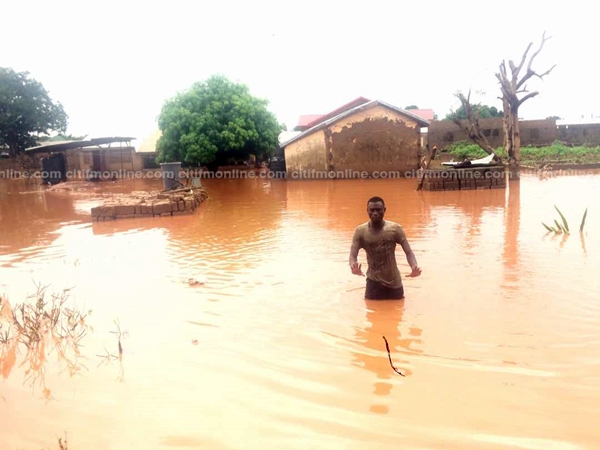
387, 347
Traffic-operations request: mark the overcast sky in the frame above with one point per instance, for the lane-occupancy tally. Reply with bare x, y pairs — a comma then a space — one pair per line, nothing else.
113, 63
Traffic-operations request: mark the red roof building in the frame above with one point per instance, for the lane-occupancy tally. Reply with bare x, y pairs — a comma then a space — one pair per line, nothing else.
426, 114
307, 121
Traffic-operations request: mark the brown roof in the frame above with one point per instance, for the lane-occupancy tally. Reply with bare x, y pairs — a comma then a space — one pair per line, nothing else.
322, 124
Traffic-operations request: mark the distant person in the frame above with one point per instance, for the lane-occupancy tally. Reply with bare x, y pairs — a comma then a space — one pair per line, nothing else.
378, 238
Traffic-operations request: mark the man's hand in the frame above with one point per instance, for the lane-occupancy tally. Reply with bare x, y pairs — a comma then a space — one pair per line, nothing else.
416, 271
356, 269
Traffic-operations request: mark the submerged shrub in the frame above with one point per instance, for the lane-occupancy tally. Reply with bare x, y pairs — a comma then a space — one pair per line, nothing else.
40, 328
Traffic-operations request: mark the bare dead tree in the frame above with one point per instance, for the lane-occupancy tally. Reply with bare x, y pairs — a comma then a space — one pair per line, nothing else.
471, 127
512, 84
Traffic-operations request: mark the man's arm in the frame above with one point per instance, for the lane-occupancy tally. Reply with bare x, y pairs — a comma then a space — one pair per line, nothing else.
410, 256
354, 249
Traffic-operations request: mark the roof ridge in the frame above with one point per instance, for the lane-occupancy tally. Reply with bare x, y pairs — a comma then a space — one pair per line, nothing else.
350, 111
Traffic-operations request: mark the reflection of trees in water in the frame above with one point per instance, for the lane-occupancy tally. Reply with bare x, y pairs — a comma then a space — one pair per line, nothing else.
385, 319
232, 228
249, 204
512, 222
28, 219
236, 222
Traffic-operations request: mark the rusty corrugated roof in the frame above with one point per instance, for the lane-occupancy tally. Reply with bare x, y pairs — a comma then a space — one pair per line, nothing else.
69, 145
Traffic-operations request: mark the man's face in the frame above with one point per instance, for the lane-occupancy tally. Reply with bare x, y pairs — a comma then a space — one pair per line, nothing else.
376, 211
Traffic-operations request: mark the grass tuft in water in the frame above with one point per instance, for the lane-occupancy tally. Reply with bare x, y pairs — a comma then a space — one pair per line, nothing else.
109, 357
583, 221
63, 445
563, 227
40, 327
564, 221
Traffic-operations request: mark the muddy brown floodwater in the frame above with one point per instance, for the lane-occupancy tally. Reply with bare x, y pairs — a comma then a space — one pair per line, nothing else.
274, 347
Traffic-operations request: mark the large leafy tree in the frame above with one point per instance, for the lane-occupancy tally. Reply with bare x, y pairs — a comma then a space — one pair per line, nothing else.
27, 112
215, 121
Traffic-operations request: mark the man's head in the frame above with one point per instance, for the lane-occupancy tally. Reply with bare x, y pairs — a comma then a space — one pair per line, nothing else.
376, 209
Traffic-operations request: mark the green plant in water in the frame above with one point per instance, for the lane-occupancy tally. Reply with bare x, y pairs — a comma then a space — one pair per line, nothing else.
564, 226
583, 221
40, 327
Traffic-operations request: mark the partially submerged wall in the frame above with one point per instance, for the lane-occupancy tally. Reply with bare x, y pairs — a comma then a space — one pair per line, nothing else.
464, 179
308, 153
144, 204
374, 140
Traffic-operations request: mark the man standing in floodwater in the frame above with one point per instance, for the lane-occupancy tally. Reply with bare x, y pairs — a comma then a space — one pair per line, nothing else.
378, 238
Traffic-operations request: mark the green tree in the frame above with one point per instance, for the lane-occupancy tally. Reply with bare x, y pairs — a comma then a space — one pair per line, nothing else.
411, 107
26, 111
483, 111
214, 122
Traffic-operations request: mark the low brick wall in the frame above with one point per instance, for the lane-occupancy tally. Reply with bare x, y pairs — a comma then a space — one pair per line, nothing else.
147, 204
464, 179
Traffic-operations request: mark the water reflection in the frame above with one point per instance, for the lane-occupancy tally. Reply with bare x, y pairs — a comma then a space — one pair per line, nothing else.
474, 207
582, 240
29, 216
298, 233
234, 229
229, 233
512, 223
384, 319
317, 199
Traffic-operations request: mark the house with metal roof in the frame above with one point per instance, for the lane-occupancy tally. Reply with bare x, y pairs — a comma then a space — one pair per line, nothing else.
370, 138
95, 158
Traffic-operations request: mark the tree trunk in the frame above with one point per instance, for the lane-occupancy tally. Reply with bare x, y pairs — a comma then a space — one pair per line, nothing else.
471, 127
511, 86
13, 148
480, 140
212, 167
425, 163
12, 151
513, 140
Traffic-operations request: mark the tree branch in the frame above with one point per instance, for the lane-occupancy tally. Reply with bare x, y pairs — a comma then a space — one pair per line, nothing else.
527, 97
531, 72
547, 72
472, 128
544, 39
523, 59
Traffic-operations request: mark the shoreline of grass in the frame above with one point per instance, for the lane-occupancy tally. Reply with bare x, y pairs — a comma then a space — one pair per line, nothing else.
557, 154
